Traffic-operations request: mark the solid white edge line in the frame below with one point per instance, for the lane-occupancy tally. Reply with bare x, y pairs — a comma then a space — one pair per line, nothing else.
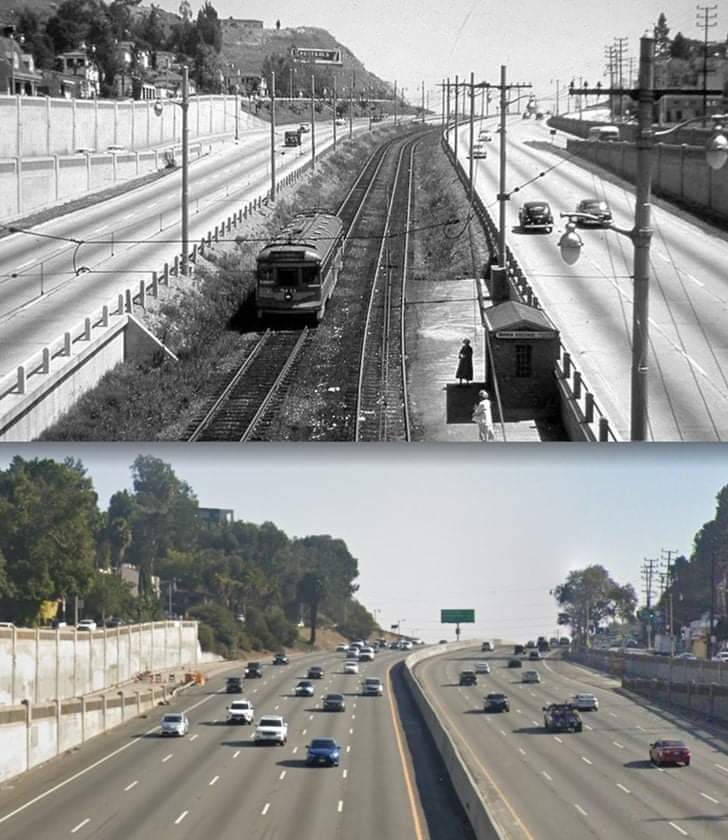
80, 825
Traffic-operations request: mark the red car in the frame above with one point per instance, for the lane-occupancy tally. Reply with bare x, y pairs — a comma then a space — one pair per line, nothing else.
669, 752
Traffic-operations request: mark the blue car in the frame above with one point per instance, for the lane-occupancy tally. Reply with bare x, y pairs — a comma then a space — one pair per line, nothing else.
323, 751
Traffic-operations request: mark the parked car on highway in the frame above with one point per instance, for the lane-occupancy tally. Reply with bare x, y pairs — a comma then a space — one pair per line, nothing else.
515, 663
315, 672
536, 215
303, 689
531, 677
351, 667
468, 678
175, 723
597, 208
496, 702
669, 752
372, 687
271, 729
254, 670
586, 702
334, 703
323, 751
482, 668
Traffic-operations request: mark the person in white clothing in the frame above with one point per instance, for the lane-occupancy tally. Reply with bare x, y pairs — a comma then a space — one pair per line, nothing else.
483, 416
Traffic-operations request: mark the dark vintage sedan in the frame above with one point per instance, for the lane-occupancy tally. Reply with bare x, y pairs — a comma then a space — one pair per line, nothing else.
669, 752
536, 215
323, 751
597, 209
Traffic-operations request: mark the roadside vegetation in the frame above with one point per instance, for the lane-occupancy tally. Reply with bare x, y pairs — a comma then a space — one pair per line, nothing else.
250, 586
203, 323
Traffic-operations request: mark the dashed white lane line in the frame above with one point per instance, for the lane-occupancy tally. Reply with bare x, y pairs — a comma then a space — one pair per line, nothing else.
720, 767
585, 760
340, 807
353, 717
521, 751
535, 722
556, 738
295, 750
99, 229
344, 774
546, 776
128, 216
282, 776
131, 785
623, 788
348, 748
80, 825
277, 707
709, 798
618, 745
503, 732
236, 753
167, 757
612, 714
641, 728
351, 731
590, 728
181, 817
24, 265
266, 807
677, 828
304, 731
310, 717
580, 810
212, 781
193, 737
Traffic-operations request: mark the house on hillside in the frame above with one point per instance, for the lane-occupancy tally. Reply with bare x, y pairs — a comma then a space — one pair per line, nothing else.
18, 75
688, 74
79, 74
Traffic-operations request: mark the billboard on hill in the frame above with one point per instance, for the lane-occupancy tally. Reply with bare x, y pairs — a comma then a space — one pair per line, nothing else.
315, 55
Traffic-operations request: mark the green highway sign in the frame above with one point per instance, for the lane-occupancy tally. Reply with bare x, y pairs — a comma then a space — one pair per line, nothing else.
457, 616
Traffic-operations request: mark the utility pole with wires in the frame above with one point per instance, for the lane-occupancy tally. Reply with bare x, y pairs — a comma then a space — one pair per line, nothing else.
472, 131
648, 579
609, 53
668, 577
709, 17
620, 47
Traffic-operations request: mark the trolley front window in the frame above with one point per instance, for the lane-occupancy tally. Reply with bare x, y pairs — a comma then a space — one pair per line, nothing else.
287, 276
310, 275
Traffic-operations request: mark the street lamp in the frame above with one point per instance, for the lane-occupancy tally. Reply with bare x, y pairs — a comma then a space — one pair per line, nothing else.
184, 104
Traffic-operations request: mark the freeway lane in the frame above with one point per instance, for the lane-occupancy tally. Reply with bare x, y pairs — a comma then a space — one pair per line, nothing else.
216, 782
597, 783
591, 302
128, 227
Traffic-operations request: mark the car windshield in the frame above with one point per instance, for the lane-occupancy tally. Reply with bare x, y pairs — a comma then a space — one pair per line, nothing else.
335, 697
304, 685
671, 744
269, 721
172, 718
323, 744
496, 697
537, 208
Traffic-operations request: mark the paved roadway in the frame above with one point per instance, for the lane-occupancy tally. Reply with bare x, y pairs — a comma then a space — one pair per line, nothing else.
597, 783
591, 301
129, 237
216, 783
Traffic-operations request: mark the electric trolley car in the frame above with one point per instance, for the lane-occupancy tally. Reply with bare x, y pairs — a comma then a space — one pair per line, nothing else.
297, 271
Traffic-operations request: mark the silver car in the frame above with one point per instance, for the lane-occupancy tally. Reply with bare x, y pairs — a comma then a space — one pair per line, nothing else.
175, 723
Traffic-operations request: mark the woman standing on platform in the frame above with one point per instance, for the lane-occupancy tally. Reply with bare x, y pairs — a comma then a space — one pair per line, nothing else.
465, 363
483, 416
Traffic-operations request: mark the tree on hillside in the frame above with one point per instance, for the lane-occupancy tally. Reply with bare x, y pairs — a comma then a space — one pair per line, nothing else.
590, 595
311, 590
680, 47
662, 39
37, 42
108, 596
48, 524
208, 25
280, 65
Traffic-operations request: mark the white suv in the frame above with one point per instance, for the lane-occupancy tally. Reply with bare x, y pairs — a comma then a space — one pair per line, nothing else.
86, 624
271, 729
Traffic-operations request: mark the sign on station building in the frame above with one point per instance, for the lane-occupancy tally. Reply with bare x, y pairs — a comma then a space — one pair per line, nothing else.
523, 348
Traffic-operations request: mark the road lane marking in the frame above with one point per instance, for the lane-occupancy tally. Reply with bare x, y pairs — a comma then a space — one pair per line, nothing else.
590, 728
128, 216
351, 732
304, 731
24, 265
585, 760
80, 825
212, 781
236, 753
132, 785
677, 828
720, 767
282, 776
192, 737
348, 748
521, 751
641, 728
709, 798
623, 788
612, 714
618, 745
265, 809
535, 723
277, 707
181, 817
556, 738
580, 810
99, 229
295, 750
546, 775
310, 717
344, 774
353, 717
340, 807
167, 757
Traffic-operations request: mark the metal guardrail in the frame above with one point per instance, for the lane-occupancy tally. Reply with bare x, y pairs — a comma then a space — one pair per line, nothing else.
593, 421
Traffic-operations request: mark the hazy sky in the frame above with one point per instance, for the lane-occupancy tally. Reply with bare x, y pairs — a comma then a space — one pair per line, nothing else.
414, 40
490, 528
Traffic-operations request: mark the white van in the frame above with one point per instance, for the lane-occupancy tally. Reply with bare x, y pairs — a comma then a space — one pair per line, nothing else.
603, 132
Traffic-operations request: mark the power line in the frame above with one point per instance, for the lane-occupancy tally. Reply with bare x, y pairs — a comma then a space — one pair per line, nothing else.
709, 20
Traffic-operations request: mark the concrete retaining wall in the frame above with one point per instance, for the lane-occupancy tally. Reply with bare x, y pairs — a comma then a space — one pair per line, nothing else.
464, 784
699, 671
44, 665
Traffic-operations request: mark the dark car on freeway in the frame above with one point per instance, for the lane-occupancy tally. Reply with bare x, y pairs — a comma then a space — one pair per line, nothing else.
515, 663
234, 685
468, 678
496, 703
280, 659
304, 689
536, 215
518, 649
323, 751
597, 208
334, 703
315, 672
669, 752
254, 670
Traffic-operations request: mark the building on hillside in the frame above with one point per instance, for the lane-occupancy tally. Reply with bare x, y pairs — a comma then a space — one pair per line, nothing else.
688, 74
18, 75
215, 516
80, 75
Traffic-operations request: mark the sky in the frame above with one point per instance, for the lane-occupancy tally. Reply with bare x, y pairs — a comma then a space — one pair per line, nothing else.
539, 41
489, 528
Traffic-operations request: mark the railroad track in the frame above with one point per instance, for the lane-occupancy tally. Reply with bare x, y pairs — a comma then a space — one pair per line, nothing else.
242, 407
382, 412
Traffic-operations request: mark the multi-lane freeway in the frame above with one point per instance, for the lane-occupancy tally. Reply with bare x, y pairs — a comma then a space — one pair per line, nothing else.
591, 301
596, 783
215, 782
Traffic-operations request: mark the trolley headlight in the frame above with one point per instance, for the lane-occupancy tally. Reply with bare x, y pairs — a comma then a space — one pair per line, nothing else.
288, 295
